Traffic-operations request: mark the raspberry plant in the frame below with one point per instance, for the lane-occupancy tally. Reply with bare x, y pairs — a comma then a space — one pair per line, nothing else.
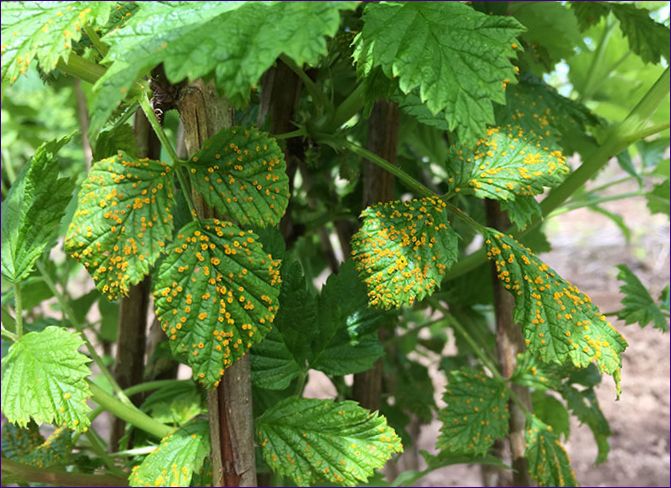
261, 131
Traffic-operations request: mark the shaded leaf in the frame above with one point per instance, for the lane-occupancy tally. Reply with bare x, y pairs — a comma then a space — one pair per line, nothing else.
27, 446
313, 440
585, 406
549, 464
552, 412
175, 403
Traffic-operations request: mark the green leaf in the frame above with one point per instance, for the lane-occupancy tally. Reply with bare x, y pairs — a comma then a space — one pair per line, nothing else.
508, 162
638, 306
458, 58
216, 294
414, 390
647, 38
403, 249
552, 412
123, 221
44, 31
175, 403
273, 365
32, 211
27, 446
242, 173
522, 211
585, 406
187, 42
531, 373
346, 339
537, 107
110, 141
549, 464
559, 322
475, 415
313, 440
658, 198
44, 379
178, 457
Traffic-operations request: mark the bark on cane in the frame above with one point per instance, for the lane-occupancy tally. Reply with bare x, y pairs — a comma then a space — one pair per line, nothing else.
509, 343
203, 114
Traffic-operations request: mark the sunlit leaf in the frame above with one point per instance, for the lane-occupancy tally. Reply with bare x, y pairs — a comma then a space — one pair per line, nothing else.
639, 306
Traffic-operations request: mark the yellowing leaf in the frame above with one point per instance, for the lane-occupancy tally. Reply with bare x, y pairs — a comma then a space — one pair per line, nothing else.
123, 221
216, 294
506, 163
241, 172
403, 249
559, 322
549, 464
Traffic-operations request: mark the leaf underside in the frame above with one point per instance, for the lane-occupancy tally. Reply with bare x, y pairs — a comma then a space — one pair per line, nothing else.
27, 446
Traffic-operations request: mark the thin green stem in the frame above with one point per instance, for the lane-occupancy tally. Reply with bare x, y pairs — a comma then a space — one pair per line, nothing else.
185, 191
597, 58
138, 451
300, 385
99, 45
414, 331
466, 218
130, 414
99, 448
8, 166
289, 135
67, 310
318, 97
409, 181
461, 330
145, 104
597, 201
8, 334
347, 109
81, 68
18, 310
59, 478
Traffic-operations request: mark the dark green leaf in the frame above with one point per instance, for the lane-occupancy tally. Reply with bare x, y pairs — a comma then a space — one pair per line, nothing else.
552, 412
638, 306
27, 446
175, 403
549, 464
113, 140
585, 406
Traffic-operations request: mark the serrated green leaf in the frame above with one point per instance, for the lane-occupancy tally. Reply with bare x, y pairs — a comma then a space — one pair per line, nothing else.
216, 294
638, 306
32, 211
44, 379
403, 249
242, 173
346, 339
458, 58
559, 322
549, 464
658, 198
533, 374
178, 457
508, 162
537, 107
552, 412
585, 406
175, 403
27, 445
123, 221
522, 211
475, 415
313, 440
647, 38
44, 31
110, 141
273, 365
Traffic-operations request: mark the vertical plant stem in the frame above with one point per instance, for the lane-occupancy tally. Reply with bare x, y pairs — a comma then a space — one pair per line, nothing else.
509, 343
133, 309
83, 119
378, 186
203, 114
18, 307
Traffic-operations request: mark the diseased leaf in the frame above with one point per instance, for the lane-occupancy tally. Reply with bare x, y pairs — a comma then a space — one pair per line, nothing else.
559, 322
549, 464
638, 306
44, 31
312, 440
27, 446
242, 173
216, 294
44, 379
585, 406
123, 221
647, 38
522, 211
178, 457
32, 211
508, 162
475, 415
403, 249
458, 58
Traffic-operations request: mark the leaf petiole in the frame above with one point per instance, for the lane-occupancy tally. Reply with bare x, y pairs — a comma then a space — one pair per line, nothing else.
18, 310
